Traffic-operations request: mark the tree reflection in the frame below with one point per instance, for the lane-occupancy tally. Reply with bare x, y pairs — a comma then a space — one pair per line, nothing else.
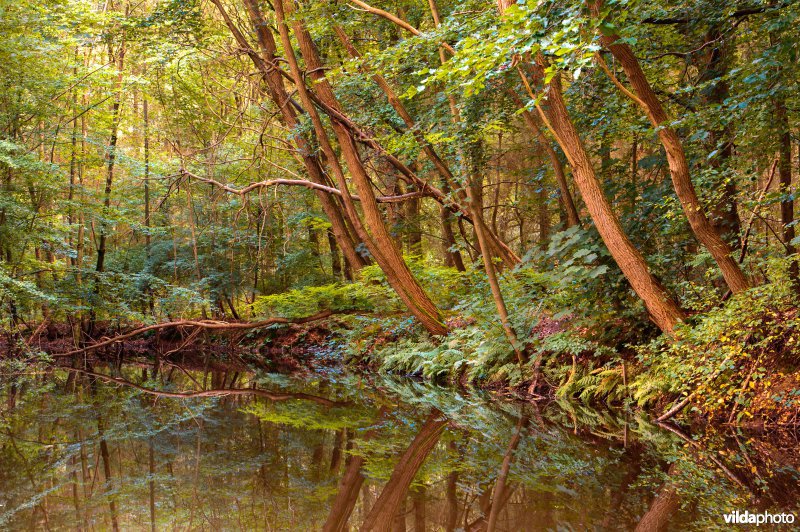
88, 449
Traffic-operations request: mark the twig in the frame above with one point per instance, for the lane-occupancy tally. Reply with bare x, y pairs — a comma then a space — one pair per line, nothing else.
682, 404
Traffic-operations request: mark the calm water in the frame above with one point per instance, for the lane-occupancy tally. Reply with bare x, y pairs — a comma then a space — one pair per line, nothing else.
339, 452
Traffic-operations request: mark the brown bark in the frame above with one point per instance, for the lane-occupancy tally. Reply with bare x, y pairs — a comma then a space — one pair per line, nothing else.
481, 230
147, 243
451, 253
111, 151
104, 454
446, 175
349, 488
502, 478
267, 65
448, 180
544, 219
565, 196
201, 324
336, 453
664, 505
346, 496
451, 495
785, 179
724, 216
664, 311
336, 263
646, 98
374, 232
418, 499
414, 233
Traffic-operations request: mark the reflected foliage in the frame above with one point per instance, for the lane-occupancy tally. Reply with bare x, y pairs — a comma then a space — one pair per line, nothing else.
430, 458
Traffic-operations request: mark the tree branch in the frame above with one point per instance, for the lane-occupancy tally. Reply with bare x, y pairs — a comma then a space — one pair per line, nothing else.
301, 183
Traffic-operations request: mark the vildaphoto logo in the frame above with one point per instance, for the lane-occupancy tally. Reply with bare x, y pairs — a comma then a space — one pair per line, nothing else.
765, 518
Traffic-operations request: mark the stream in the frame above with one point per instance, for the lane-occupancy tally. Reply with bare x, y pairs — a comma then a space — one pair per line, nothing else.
331, 450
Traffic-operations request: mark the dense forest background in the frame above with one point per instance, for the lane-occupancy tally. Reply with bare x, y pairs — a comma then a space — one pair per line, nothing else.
591, 197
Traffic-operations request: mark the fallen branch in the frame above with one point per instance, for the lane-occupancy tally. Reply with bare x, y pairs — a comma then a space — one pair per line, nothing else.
730, 474
205, 324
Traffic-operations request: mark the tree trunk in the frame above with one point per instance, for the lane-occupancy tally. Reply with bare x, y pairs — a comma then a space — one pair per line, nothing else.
349, 487
476, 206
705, 232
414, 224
147, 240
664, 505
565, 196
104, 454
394, 493
664, 311
266, 63
446, 175
336, 263
785, 178
111, 152
378, 240
498, 496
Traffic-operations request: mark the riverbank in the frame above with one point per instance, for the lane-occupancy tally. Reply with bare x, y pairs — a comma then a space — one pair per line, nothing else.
745, 377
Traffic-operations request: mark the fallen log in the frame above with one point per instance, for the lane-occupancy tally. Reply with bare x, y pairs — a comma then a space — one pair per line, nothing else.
204, 324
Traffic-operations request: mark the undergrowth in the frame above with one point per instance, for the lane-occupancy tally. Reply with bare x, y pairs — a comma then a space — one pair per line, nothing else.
737, 359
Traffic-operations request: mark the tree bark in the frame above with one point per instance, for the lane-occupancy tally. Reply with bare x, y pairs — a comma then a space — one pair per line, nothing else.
664, 311
394, 493
565, 196
104, 454
349, 487
646, 98
502, 478
267, 64
476, 206
378, 240
446, 175
785, 179
664, 505
147, 243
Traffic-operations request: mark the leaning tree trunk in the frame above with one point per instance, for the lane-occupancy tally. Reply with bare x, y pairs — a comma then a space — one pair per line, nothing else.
664, 311
498, 246
565, 196
266, 63
646, 98
374, 232
394, 493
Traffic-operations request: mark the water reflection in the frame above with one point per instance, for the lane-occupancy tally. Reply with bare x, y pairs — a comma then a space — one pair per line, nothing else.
127, 449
